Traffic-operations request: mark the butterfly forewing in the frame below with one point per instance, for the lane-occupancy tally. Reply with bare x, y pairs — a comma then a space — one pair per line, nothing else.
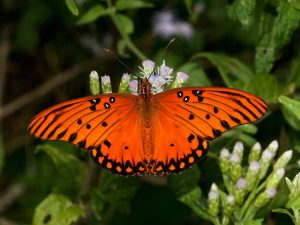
188, 118
100, 124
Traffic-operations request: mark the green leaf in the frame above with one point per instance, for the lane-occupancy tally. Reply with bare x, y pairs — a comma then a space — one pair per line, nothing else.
97, 202
189, 5
243, 11
57, 210
92, 14
185, 182
247, 128
291, 111
294, 202
118, 191
197, 76
132, 4
284, 211
125, 23
191, 199
253, 222
66, 163
233, 71
72, 7
265, 86
275, 31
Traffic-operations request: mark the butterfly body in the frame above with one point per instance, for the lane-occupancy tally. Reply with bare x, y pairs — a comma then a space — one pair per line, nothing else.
148, 133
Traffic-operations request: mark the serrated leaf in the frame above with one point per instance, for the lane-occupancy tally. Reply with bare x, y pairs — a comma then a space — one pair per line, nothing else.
125, 23
291, 111
132, 4
264, 86
66, 163
72, 7
232, 71
92, 14
243, 11
57, 209
197, 76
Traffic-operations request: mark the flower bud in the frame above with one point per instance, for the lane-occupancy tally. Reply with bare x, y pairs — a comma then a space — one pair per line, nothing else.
94, 83
255, 152
235, 167
267, 157
148, 67
229, 204
180, 79
213, 200
224, 160
275, 177
251, 175
240, 190
165, 70
238, 149
283, 160
264, 197
124, 84
133, 86
105, 84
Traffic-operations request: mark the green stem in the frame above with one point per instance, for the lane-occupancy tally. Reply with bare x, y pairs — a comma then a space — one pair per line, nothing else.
124, 35
250, 200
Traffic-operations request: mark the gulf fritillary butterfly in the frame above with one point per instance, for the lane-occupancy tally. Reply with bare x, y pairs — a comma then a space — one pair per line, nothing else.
148, 133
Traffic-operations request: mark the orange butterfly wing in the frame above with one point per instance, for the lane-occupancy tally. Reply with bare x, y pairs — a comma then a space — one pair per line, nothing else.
188, 118
100, 124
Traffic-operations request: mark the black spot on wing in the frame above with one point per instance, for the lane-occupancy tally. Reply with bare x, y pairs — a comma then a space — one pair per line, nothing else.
216, 132
107, 143
72, 137
225, 124
53, 131
191, 138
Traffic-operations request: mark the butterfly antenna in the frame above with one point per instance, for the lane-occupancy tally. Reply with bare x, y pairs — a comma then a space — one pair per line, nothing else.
119, 60
164, 53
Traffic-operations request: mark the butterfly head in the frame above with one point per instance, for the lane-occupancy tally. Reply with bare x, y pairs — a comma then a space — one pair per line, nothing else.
144, 87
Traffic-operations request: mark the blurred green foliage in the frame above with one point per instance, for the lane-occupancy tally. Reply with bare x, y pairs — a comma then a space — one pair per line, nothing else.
245, 44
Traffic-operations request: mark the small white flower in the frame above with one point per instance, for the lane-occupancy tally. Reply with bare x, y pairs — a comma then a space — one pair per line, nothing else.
234, 158
280, 173
267, 154
185, 30
298, 162
94, 75
165, 70
238, 148
230, 199
157, 83
273, 146
105, 79
133, 86
271, 192
125, 78
256, 146
224, 153
166, 26
148, 65
241, 183
213, 193
254, 166
181, 77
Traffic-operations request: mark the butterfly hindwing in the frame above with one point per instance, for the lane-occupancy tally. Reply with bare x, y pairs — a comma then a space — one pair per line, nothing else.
97, 123
194, 116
